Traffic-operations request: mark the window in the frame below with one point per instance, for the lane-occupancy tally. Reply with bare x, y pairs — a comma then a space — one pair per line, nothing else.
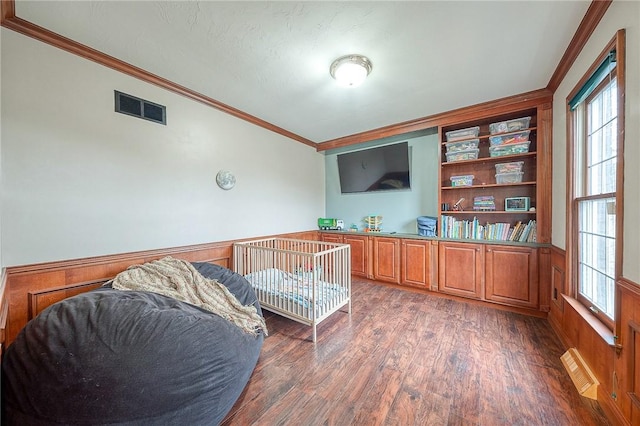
594, 119
596, 204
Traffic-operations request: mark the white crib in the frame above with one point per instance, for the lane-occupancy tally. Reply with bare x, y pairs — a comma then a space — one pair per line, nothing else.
305, 281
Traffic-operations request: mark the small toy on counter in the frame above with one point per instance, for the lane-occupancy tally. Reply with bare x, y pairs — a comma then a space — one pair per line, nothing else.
373, 223
330, 224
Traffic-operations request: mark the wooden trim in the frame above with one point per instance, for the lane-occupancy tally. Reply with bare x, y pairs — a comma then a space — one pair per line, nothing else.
618, 42
632, 358
611, 409
590, 21
558, 251
570, 230
496, 107
4, 308
587, 26
37, 278
598, 326
629, 286
62, 265
558, 285
41, 299
147, 254
7, 10
12, 22
612, 44
620, 46
544, 178
634, 400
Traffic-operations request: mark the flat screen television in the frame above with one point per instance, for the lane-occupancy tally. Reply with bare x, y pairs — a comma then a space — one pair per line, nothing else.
383, 168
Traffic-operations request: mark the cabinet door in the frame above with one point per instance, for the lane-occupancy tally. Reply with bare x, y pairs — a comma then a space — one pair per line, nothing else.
418, 263
331, 238
359, 253
512, 275
461, 269
386, 258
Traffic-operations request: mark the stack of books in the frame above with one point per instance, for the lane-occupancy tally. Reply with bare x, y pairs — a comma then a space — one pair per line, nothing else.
524, 232
464, 229
484, 203
472, 229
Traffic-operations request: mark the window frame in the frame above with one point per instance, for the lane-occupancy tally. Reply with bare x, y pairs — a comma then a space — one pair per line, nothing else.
575, 125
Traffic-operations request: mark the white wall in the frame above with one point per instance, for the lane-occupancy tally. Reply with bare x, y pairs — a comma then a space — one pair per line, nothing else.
1, 214
621, 14
80, 180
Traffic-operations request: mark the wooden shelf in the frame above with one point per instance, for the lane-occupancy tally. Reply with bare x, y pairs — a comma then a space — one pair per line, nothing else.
485, 212
481, 137
484, 174
489, 185
501, 159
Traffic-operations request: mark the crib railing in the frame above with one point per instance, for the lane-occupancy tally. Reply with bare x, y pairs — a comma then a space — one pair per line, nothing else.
300, 279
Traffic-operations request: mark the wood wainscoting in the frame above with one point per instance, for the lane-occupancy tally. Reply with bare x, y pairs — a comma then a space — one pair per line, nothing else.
28, 288
615, 360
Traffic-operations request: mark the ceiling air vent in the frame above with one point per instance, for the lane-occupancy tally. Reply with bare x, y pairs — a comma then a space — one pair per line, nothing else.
130, 105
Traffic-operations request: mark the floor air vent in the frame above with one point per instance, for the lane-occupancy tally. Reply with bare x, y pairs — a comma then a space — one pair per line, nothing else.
580, 374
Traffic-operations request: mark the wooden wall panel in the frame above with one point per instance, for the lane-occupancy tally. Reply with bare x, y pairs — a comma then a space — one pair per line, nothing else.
628, 364
558, 282
614, 361
4, 309
41, 299
544, 278
23, 283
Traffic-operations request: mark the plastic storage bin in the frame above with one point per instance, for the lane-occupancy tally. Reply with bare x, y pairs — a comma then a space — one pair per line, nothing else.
427, 226
513, 177
462, 145
514, 166
470, 154
509, 125
466, 180
509, 149
468, 133
509, 138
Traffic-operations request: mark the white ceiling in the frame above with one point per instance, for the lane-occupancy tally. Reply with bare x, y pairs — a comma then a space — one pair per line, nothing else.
271, 59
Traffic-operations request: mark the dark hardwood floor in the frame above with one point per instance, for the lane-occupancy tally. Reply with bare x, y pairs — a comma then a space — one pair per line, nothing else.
406, 358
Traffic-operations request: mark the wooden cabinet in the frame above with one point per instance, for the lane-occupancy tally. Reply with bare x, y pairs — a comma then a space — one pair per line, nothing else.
530, 155
461, 269
359, 250
511, 275
386, 259
331, 238
418, 263
507, 274
359, 254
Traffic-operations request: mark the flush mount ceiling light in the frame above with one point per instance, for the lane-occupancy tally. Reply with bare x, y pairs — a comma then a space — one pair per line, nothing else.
350, 70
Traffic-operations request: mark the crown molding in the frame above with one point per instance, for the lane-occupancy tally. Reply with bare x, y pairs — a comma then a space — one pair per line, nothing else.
8, 19
504, 105
587, 26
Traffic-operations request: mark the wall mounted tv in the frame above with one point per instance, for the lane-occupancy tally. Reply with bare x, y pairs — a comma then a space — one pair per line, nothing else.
381, 168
